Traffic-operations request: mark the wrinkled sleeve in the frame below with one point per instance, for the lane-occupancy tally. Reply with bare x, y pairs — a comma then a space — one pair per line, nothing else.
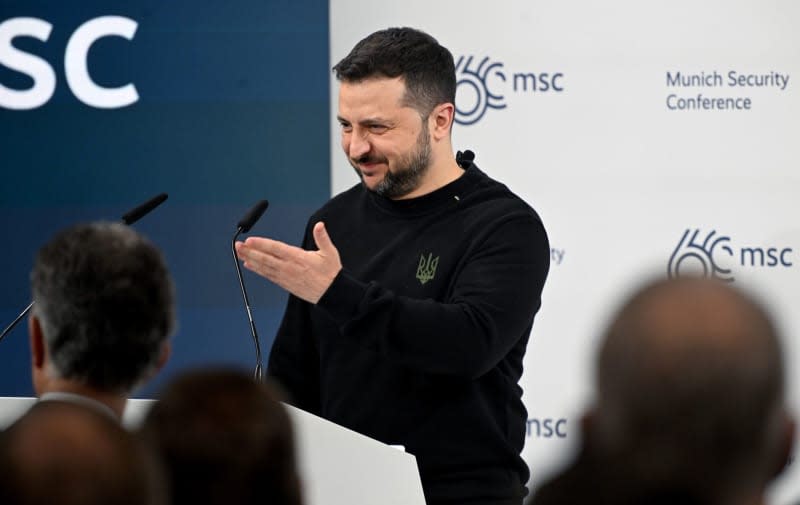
491, 305
294, 357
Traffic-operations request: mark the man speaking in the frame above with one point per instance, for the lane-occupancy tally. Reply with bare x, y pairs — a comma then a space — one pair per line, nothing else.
414, 293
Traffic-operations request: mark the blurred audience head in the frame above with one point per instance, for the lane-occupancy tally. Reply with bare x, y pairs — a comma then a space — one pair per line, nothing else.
66, 454
224, 439
690, 390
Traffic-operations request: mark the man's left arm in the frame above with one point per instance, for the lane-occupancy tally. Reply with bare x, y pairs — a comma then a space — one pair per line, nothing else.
492, 302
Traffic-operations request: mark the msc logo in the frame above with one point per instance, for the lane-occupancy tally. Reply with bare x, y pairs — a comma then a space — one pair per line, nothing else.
546, 427
76, 66
481, 85
713, 255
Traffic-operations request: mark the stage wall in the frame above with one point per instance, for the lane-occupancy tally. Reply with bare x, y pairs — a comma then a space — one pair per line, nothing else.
584, 109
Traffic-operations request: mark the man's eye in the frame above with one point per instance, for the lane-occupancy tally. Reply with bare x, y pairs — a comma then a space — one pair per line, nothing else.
346, 127
377, 128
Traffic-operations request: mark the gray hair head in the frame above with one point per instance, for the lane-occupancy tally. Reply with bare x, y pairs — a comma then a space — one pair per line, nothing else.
105, 302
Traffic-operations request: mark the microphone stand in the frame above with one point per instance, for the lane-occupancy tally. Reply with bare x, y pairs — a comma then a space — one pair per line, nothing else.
16, 321
128, 218
243, 226
258, 373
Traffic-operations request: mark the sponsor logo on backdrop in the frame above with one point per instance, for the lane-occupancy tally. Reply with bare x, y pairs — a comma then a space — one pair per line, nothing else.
714, 254
546, 427
76, 65
731, 90
482, 84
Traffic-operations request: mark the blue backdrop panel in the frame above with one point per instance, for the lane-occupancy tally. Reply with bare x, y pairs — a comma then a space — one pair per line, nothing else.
233, 107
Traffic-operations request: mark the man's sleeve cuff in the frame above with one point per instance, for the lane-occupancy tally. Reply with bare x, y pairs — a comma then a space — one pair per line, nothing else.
343, 297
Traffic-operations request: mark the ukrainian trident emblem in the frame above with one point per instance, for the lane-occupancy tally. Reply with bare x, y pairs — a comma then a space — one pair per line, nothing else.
427, 268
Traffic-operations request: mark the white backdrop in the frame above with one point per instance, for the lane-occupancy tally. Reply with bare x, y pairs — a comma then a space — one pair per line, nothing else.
616, 174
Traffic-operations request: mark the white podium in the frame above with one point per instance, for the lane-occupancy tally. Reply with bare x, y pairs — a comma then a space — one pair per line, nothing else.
338, 466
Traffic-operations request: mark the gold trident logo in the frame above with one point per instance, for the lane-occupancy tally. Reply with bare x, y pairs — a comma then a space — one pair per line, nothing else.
427, 268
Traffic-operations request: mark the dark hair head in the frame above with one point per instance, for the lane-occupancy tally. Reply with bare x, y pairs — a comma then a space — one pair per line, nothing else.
70, 454
105, 301
690, 382
224, 439
426, 67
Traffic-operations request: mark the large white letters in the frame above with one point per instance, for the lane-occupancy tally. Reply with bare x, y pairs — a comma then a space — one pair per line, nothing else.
44, 79
76, 66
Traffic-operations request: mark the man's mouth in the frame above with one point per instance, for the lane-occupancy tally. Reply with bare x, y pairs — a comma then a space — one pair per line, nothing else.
367, 167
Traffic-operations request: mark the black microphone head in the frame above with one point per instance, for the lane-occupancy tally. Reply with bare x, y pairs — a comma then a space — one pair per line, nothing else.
142, 210
252, 216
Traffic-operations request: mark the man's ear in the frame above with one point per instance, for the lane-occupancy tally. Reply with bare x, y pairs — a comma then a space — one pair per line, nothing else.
36, 337
588, 420
784, 456
163, 356
441, 120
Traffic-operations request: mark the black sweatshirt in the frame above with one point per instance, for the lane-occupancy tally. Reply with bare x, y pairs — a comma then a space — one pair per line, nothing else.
419, 340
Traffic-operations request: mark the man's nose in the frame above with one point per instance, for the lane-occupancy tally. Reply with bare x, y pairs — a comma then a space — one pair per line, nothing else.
358, 145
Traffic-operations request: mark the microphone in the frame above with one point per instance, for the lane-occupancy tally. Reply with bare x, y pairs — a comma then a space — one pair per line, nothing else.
243, 226
465, 159
252, 216
128, 218
142, 210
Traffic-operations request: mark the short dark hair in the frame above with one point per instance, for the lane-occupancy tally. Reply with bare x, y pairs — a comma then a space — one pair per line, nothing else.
224, 439
70, 454
426, 67
105, 301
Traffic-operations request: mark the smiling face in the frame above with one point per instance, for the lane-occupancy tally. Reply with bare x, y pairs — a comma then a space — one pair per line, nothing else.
385, 140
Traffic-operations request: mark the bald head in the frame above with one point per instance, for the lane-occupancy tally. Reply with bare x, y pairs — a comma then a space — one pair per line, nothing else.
689, 337
690, 371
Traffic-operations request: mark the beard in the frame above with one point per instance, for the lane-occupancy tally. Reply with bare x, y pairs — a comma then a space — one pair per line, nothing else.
408, 172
